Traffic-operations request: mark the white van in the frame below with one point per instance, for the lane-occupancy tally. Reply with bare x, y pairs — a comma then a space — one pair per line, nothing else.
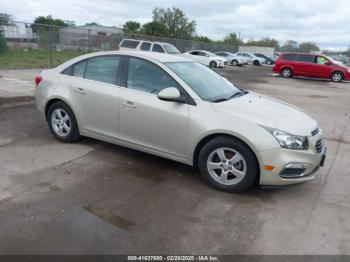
143, 45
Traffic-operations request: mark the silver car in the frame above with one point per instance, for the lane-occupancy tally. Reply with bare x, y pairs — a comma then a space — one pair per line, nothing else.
233, 59
176, 108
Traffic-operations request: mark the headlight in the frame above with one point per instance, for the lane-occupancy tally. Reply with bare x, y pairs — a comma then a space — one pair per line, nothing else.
289, 141
348, 70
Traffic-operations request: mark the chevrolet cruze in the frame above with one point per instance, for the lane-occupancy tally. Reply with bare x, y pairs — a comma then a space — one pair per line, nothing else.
176, 108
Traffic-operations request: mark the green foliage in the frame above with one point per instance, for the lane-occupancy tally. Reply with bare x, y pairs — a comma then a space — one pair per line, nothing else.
5, 19
176, 22
131, 27
292, 46
308, 47
48, 20
154, 29
3, 44
93, 24
265, 42
34, 58
202, 39
232, 39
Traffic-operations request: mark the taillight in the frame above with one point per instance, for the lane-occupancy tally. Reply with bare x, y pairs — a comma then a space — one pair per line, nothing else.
38, 79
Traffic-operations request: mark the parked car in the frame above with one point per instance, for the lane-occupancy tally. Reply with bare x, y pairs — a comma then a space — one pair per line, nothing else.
206, 58
233, 59
269, 60
252, 59
148, 46
310, 65
176, 108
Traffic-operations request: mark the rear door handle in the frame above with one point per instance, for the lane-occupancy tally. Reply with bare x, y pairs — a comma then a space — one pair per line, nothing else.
80, 90
129, 104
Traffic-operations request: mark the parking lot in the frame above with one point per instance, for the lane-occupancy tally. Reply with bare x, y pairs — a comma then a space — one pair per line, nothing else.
91, 197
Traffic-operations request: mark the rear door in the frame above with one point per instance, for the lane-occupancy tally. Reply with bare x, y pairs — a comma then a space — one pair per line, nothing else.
95, 89
147, 121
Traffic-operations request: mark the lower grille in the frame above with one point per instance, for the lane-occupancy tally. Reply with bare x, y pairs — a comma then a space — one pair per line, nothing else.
292, 172
319, 146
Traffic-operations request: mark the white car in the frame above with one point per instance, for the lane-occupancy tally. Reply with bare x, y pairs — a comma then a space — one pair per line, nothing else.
233, 59
206, 58
148, 46
175, 108
252, 59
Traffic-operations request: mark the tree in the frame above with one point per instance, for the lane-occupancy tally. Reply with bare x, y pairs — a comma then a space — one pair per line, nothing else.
154, 29
5, 19
176, 22
131, 27
308, 47
290, 46
48, 20
265, 42
232, 39
202, 38
3, 44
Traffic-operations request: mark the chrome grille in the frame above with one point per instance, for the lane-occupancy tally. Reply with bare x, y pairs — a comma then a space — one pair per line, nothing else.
319, 146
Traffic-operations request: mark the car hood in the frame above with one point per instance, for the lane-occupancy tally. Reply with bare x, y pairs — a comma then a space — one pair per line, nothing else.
269, 112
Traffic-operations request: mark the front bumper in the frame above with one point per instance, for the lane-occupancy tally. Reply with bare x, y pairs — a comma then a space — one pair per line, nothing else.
292, 166
221, 63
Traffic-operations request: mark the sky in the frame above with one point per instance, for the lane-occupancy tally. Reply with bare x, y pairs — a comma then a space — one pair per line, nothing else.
325, 22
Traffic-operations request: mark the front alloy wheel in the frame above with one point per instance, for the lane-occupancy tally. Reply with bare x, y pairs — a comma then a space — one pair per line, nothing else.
286, 73
213, 64
337, 77
228, 164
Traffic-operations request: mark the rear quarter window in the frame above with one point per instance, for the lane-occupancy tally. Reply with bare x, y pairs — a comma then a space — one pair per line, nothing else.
145, 46
157, 48
129, 43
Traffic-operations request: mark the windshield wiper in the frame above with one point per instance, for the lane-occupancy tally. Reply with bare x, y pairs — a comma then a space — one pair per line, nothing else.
237, 94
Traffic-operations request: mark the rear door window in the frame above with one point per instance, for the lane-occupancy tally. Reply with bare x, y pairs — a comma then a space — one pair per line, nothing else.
305, 58
103, 69
157, 48
145, 46
129, 43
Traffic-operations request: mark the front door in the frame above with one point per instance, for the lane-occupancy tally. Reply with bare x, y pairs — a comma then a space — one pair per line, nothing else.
147, 121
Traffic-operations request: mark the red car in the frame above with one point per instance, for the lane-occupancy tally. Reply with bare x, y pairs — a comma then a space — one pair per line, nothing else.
310, 65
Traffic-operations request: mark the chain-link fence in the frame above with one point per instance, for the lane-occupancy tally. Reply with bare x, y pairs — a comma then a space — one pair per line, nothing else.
53, 45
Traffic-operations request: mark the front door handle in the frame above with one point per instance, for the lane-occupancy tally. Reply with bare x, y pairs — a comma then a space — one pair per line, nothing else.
129, 104
80, 90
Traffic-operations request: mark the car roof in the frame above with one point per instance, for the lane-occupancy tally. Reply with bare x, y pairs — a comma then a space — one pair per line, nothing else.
297, 53
149, 41
160, 57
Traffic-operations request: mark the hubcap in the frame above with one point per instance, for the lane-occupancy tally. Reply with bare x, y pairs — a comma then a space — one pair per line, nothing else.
336, 77
226, 166
60, 122
286, 73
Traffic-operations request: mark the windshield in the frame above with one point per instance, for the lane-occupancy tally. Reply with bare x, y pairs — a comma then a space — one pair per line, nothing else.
170, 49
206, 83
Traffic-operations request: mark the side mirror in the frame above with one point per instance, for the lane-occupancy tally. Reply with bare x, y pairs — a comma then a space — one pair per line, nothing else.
171, 94
328, 63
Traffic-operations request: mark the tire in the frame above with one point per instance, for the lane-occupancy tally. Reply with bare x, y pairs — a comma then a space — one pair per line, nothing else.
234, 62
62, 122
286, 72
235, 169
212, 64
256, 62
337, 77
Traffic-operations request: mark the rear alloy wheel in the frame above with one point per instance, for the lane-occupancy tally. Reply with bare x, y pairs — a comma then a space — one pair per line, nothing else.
286, 72
212, 64
62, 122
337, 77
228, 164
234, 62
